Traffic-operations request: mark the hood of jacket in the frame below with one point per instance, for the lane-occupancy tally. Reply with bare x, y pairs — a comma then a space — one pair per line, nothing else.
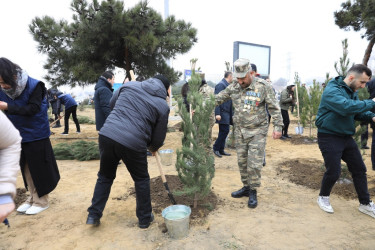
154, 87
102, 82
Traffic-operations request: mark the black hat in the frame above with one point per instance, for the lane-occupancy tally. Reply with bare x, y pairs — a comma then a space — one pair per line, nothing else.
164, 80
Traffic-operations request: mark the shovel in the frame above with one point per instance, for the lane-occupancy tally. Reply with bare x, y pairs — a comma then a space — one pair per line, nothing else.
170, 195
58, 119
299, 129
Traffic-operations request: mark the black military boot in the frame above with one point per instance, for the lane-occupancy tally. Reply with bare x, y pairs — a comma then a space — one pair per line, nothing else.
245, 191
253, 202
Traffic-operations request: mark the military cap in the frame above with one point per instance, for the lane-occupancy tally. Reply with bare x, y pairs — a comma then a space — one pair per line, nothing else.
241, 67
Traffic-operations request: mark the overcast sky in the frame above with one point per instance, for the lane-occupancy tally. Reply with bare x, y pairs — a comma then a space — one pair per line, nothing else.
305, 30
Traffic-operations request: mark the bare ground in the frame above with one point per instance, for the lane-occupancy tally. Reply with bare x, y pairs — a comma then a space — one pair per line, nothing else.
287, 216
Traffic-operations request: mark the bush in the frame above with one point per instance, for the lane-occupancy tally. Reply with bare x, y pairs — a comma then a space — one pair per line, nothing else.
84, 120
79, 150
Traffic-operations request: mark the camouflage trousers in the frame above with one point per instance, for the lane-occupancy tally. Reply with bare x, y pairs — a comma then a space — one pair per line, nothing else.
250, 153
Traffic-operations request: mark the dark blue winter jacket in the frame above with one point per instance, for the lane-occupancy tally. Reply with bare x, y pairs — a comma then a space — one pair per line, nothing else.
34, 127
67, 100
139, 117
225, 110
102, 97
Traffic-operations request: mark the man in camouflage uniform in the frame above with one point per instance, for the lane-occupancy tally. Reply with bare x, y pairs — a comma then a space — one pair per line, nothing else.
249, 96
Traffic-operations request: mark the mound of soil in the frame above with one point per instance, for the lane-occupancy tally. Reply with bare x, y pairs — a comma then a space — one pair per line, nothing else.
21, 196
309, 173
160, 199
300, 139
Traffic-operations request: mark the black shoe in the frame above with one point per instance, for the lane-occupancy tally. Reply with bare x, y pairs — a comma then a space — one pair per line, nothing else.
245, 191
283, 137
264, 163
287, 136
217, 154
224, 153
365, 147
65, 133
93, 221
56, 126
146, 225
253, 202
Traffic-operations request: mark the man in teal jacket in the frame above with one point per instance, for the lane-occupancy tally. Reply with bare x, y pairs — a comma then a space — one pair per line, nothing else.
338, 110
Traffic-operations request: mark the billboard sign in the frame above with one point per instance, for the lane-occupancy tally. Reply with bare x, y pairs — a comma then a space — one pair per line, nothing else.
258, 54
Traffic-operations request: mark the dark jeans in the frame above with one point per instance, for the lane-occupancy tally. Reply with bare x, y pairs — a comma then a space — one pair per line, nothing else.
286, 121
334, 149
364, 136
136, 163
58, 122
219, 144
373, 148
73, 111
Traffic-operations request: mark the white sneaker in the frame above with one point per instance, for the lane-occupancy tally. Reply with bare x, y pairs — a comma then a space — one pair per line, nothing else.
368, 209
23, 207
35, 210
324, 204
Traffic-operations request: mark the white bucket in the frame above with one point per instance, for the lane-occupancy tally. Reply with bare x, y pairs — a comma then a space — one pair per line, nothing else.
299, 130
166, 156
177, 219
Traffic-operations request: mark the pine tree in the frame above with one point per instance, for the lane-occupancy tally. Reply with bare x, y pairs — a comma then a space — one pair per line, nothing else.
105, 35
311, 105
195, 163
344, 61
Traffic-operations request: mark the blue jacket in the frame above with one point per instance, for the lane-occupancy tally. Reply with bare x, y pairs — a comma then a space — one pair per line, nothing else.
102, 97
340, 107
67, 100
139, 117
225, 110
32, 128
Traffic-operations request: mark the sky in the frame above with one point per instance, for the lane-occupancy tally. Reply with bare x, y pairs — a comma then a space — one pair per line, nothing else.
302, 34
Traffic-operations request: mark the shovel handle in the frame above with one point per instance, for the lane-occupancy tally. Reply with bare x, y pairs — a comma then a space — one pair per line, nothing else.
159, 166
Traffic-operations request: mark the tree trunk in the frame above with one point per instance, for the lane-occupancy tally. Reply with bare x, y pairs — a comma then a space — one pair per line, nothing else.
195, 200
127, 64
368, 51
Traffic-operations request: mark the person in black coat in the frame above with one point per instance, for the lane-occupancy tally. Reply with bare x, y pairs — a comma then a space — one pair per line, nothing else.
102, 96
138, 121
371, 88
55, 105
24, 100
223, 115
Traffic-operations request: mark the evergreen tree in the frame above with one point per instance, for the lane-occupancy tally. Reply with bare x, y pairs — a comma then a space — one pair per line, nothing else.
311, 105
359, 16
105, 35
195, 163
344, 61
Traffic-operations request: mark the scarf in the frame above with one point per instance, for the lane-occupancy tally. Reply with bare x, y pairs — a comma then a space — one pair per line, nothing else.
21, 81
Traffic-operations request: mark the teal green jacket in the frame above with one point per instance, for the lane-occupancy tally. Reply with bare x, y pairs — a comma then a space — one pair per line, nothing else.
340, 107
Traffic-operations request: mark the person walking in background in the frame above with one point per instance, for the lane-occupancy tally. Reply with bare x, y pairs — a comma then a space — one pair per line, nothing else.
24, 101
54, 104
137, 122
286, 100
337, 111
70, 109
102, 97
223, 115
249, 96
10, 152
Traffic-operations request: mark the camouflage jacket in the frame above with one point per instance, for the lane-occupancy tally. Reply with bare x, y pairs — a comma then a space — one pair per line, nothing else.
250, 115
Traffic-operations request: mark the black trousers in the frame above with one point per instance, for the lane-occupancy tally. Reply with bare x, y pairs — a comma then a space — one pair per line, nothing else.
73, 111
57, 117
334, 149
136, 163
286, 121
219, 144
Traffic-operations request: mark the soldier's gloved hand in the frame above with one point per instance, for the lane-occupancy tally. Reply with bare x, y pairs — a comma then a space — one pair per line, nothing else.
218, 117
276, 135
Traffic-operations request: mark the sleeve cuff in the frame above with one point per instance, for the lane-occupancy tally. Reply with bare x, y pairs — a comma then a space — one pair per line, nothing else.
5, 199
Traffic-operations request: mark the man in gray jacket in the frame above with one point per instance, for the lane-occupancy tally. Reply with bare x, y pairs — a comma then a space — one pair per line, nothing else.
138, 121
